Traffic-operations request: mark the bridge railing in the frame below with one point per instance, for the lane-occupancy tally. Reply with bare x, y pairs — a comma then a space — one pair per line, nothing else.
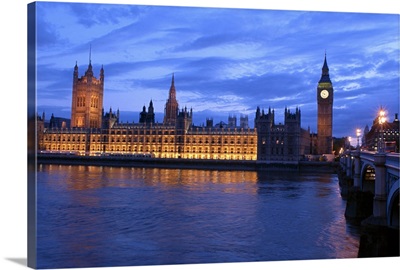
387, 172
366, 155
392, 161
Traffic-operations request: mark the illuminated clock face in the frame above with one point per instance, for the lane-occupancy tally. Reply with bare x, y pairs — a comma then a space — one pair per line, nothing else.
324, 94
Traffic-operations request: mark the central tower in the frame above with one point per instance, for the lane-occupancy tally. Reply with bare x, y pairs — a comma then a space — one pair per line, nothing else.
87, 98
171, 107
325, 105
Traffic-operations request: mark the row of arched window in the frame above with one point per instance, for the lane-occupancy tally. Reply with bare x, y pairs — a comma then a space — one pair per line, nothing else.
81, 102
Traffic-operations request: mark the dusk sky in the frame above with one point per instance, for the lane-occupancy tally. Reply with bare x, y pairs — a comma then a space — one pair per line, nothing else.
262, 57
226, 61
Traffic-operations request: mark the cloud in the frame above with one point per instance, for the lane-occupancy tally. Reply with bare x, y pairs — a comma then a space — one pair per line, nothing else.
342, 107
352, 86
283, 98
224, 60
104, 14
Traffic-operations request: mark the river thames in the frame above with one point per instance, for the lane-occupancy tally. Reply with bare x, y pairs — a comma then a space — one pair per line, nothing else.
95, 216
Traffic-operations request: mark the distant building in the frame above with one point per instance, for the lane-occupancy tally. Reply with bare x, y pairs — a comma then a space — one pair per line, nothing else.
232, 121
221, 124
389, 132
59, 122
286, 142
209, 122
313, 143
109, 119
91, 131
244, 121
325, 112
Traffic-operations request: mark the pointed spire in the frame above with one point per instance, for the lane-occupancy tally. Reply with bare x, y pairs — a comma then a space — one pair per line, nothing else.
172, 91
76, 70
151, 107
101, 74
90, 53
325, 72
89, 71
171, 107
325, 69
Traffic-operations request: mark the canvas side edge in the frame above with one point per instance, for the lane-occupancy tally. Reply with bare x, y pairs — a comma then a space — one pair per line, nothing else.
32, 141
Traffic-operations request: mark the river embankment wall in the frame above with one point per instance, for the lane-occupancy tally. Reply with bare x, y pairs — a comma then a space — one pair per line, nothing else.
247, 165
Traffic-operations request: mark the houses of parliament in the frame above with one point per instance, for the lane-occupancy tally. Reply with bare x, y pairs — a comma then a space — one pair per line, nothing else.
94, 132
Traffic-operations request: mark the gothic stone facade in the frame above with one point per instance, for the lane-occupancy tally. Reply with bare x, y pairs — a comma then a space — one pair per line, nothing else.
94, 132
87, 99
286, 142
156, 140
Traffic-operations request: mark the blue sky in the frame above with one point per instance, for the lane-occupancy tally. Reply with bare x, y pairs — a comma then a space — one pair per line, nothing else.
226, 61
14, 100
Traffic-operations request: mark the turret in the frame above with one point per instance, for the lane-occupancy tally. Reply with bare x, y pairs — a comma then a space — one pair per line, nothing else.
209, 122
147, 117
184, 119
151, 108
150, 118
325, 72
143, 115
292, 118
171, 107
89, 71
102, 74
76, 74
258, 112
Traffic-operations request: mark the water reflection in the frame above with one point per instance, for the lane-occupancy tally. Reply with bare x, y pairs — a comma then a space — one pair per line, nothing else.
108, 216
88, 177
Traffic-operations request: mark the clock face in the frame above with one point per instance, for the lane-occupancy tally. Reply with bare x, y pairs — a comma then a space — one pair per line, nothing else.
324, 94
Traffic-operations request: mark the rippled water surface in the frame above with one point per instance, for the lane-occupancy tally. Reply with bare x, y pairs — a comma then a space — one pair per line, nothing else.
107, 216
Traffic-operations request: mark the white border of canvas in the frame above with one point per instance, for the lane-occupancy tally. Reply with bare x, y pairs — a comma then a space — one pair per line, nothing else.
13, 132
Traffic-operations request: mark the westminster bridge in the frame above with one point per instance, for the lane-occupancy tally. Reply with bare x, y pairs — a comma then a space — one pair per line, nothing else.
376, 173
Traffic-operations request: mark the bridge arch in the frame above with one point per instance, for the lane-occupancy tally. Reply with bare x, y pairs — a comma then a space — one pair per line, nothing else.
376, 174
393, 206
368, 178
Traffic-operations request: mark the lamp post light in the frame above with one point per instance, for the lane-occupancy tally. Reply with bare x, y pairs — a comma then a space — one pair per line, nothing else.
348, 158
358, 133
349, 138
381, 120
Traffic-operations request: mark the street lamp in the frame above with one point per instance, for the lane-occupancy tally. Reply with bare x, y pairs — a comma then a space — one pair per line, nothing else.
358, 133
349, 138
381, 120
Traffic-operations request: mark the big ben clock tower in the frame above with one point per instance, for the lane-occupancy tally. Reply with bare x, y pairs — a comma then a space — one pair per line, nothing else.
325, 104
